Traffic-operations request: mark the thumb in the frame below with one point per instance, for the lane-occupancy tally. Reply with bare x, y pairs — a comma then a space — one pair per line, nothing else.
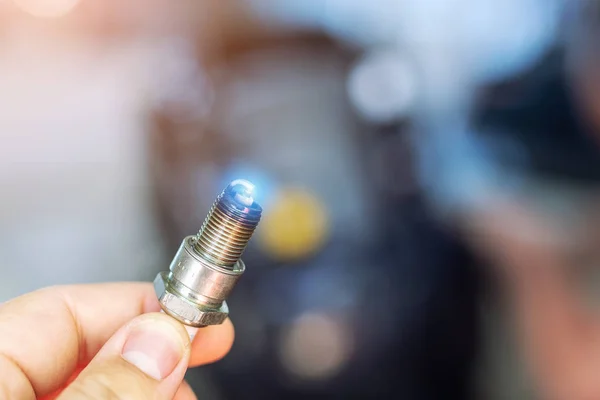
145, 359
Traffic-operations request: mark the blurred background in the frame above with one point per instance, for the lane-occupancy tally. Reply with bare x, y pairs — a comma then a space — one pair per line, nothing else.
372, 130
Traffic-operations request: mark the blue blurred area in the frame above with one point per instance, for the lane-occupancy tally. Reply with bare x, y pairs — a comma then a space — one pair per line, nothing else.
266, 188
497, 39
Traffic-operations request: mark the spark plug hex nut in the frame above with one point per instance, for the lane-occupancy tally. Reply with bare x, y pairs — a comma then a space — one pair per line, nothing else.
185, 311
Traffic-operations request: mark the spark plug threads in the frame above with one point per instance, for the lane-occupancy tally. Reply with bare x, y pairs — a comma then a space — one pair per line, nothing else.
229, 225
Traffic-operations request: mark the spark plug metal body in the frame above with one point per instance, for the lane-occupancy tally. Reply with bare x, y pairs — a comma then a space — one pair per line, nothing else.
208, 265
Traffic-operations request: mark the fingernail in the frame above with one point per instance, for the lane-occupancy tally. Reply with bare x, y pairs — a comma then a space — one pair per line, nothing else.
190, 329
154, 347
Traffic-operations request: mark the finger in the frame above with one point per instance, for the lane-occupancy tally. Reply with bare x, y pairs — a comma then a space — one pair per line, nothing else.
212, 343
146, 359
47, 334
185, 392
56, 393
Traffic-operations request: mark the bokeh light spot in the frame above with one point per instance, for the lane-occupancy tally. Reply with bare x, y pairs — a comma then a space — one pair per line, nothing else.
316, 347
382, 86
294, 226
46, 8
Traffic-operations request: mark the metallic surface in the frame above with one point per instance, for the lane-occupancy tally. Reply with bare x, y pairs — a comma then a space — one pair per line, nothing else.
208, 265
228, 226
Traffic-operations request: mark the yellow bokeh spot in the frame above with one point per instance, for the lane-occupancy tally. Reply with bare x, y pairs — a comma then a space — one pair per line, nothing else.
294, 226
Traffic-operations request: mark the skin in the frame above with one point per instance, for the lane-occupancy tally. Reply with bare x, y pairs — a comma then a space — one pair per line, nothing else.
65, 342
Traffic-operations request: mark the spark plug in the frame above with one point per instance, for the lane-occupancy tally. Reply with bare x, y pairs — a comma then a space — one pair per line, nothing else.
208, 265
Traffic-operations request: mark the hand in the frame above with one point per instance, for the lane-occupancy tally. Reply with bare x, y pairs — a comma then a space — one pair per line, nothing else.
97, 342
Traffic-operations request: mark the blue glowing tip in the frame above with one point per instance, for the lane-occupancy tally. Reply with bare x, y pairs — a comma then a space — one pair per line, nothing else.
242, 192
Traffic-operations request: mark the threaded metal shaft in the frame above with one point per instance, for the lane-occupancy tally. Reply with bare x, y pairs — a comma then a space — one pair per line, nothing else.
229, 225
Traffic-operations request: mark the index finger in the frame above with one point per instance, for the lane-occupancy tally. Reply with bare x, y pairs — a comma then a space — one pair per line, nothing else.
47, 334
